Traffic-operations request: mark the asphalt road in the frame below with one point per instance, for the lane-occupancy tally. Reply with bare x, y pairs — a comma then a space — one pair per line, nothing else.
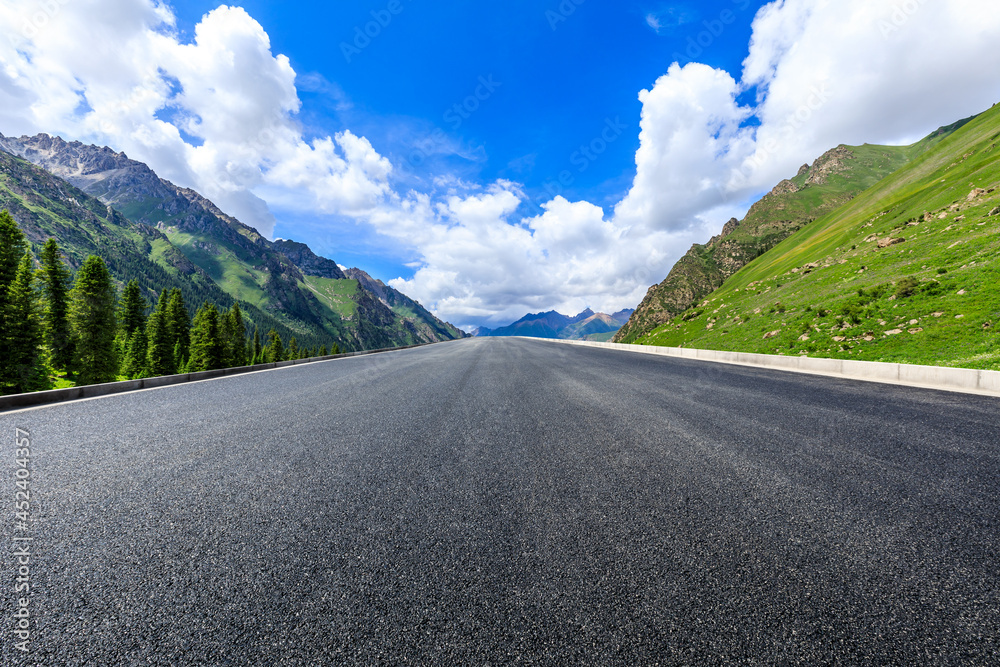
504, 501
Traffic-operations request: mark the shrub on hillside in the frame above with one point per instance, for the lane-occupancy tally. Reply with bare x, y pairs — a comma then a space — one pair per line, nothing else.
907, 287
933, 288
851, 312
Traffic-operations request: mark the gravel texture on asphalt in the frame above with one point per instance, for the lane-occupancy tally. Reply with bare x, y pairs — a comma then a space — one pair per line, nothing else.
508, 501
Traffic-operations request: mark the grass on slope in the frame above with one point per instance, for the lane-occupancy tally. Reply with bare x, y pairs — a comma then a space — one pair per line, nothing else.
336, 295
235, 276
830, 291
830, 182
46, 206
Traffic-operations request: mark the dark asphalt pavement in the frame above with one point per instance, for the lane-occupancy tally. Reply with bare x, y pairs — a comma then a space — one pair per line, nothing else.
505, 501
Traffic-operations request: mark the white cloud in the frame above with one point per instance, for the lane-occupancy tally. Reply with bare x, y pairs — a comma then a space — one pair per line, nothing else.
480, 262
667, 18
851, 71
344, 175
690, 131
893, 69
218, 113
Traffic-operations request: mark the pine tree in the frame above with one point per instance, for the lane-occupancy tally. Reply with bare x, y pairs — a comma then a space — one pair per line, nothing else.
293, 350
56, 282
179, 325
322, 351
92, 322
12, 249
120, 347
180, 360
24, 367
159, 345
134, 365
235, 335
258, 353
275, 350
207, 345
131, 310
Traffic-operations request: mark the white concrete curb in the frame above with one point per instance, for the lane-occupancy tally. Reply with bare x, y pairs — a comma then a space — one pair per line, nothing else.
965, 380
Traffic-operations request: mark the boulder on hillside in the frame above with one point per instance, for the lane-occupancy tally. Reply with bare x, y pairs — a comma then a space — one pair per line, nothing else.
889, 241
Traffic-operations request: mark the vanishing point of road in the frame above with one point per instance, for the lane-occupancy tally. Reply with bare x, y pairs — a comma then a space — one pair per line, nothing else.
509, 501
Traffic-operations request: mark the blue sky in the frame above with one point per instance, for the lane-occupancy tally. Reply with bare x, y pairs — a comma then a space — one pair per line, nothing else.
560, 76
557, 86
496, 158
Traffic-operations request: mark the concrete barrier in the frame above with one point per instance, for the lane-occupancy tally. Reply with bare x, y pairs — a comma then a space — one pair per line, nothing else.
965, 380
32, 399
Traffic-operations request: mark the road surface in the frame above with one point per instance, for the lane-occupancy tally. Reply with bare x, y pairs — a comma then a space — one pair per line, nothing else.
508, 501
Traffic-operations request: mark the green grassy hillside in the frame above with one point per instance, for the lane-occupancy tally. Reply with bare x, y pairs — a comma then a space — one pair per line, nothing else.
273, 278
831, 181
48, 207
908, 271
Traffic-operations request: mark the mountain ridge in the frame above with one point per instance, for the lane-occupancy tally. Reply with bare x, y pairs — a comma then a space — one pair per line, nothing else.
834, 178
45, 206
586, 325
303, 290
904, 272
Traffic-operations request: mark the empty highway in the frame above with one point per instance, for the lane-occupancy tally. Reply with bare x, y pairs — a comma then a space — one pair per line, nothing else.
507, 501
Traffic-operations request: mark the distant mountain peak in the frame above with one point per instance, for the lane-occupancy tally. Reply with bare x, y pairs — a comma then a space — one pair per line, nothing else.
552, 324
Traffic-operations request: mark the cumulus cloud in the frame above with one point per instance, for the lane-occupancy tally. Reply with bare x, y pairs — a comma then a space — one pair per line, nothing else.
818, 73
892, 70
483, 263
690, 130
218, 113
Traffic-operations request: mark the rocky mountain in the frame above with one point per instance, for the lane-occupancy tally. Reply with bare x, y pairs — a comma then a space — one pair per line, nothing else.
906, 271
587, 325
834, 179
46, 206
417, 319
307, 293
623, 316
309, 262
